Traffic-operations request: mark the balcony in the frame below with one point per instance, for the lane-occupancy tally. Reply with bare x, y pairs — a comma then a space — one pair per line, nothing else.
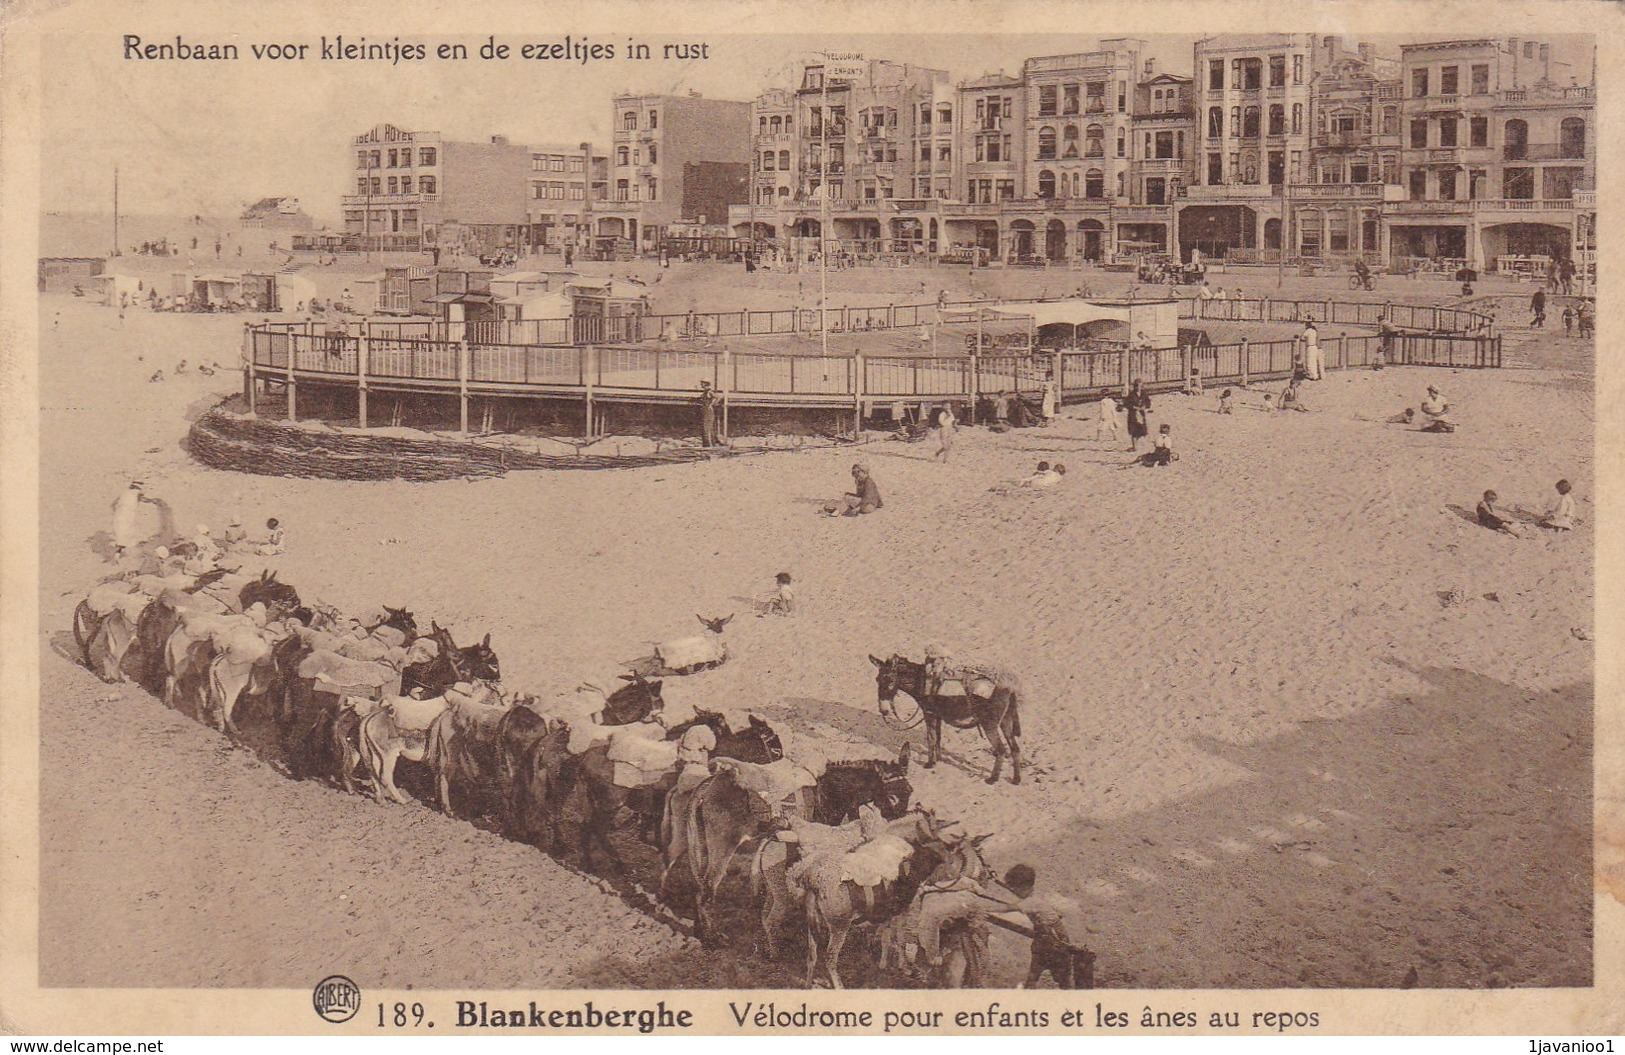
1539, 152
765, 139
1140, 213
1342, 140
1585, 199
1232, 191
1525, 204
1410, 208
1339, 191
1160, 166
387, 199
1444, 155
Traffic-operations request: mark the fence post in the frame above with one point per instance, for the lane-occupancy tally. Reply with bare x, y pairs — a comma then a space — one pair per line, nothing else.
292, 384
362, 354
975, 380
857, 394
723, 386
1343, 350
589, 371
1246, 364
1264, 308
1060, 384
250, 382
462, 387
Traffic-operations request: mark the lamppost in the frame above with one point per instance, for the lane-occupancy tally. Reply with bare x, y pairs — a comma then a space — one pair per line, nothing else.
366, 217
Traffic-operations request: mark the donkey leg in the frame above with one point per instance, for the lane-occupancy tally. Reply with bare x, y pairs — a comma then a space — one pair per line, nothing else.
1008, 725
933, 740
837, 938
995, 740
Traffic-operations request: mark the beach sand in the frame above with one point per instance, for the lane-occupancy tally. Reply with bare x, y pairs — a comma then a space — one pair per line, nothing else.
1291, 717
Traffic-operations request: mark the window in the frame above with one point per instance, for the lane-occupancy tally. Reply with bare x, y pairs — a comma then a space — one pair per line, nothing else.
654, 119
1390, 121
577, 164
1297, 119
406, 184
1447, 131
1215, 122
394, 185
784, 158
1419, 185
1515, 141
1481, 80
1046, 143
577, 192
1179, 144
377, 185
1518, 183
1448, 76
1070, 139
761, 126
1235, 121
1277, 71
1252, 74
1165, 145
426, 185
654, 186
1277, 120
1215, 75
1046, 101
655, 157
1277, 168
1447, 185
363, 185
767, 161
1419, 133
426, 156
394, 159
622, 156
1249, 123
945, 115
1390, 170
629, 121
1069, 103
1297, 69
622, 190
1092, 146
376, 155
1046, 184
945, 152
925, 151
1215, 169
1359, 172
1094, 184
1572, 138
361, 159
1122, 97
1122, 143
1156, 191
1419, 83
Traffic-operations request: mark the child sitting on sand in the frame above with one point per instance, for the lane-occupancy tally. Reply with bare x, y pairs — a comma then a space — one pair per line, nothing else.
1163, 452
273, 541
1290, 399
1226, 402
1495, 519
1193, 383
1560, 515
782, 601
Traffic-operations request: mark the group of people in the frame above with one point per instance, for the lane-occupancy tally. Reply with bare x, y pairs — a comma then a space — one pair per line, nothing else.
1559, 515
130, 530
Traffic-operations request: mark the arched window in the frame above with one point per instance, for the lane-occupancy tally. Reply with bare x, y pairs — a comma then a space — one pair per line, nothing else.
1077, 185
1572, 137
1122, 143
1249, 123
1215, 122
1515, 144
778, 124
1070, 136
1046, 184
629, 121
1277, 120
767, 161
1094, 184
622, 157
1046, 143
1093, 147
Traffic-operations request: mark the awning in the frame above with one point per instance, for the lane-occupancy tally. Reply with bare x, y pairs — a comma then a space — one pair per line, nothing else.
1071, 312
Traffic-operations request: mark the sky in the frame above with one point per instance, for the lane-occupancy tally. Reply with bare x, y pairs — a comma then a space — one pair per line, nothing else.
207, 137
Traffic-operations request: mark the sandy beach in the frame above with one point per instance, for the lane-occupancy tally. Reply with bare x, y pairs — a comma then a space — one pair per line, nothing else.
1293, 718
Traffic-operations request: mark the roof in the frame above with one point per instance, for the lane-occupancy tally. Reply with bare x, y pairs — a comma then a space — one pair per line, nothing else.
462, 298
1072, 312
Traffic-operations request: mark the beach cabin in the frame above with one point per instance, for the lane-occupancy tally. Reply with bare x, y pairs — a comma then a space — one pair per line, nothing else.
607, 311
60, 274
113, 290
1085, 324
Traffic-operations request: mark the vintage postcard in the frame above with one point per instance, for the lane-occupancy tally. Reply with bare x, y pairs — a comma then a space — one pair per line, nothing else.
908, 519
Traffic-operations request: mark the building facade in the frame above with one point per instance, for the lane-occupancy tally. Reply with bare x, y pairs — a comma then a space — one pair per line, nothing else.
663, 165
415, 190
563, 184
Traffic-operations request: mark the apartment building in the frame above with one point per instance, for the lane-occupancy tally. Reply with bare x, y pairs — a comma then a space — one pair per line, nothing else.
672, 159
1161, 138
416, 190
563, 183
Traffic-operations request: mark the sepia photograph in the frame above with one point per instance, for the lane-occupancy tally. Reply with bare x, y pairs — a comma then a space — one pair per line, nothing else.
542, 505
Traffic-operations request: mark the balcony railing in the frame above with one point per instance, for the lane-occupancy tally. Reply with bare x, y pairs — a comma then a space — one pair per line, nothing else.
1540, 152
1409, 207
388, 199
1342, 139
1312, 191
1524, 204
1444, 155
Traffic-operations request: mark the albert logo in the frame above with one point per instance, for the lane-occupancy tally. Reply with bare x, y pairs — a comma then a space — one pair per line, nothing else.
336, 998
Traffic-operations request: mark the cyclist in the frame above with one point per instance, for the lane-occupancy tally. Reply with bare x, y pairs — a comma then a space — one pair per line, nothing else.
1362, 274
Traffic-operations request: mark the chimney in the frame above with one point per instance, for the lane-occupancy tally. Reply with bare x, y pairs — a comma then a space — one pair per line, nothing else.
499, 141
1150, 67
1368, 53
1546, 61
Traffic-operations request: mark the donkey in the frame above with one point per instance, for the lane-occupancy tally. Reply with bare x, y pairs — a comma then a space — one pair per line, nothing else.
844, 786
451, 665
278, 597
997, 715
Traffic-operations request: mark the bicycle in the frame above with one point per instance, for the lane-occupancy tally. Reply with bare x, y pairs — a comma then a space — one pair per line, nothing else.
1365, 282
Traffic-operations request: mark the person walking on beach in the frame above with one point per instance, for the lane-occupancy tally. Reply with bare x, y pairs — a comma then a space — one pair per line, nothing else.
1568, 320
1138, 405
946, 427
1314, 362
1107, 421
708, 414
1046, 405
1537, 306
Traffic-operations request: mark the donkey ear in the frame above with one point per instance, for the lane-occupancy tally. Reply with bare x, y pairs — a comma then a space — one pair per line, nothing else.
701, 618
728, 620
487, 642
978, 840
877, 662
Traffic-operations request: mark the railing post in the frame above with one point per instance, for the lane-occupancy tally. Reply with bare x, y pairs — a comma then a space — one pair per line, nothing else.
362, 354
1343, 350
1246, 364
292, 384
723, 383
589, 371
1055, 373
250, 382
1264, 308
462, 387
857, 394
